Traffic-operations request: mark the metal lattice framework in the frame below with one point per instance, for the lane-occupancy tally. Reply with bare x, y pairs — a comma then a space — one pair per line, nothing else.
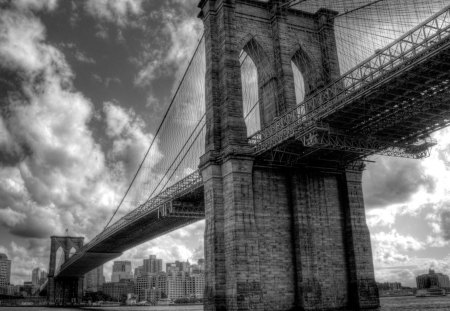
322, 137
170, 207
411, 50
184, 186
388, 104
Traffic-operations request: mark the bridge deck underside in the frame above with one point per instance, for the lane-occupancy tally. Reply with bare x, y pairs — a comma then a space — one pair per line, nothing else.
403, 108
408, 105
181, 212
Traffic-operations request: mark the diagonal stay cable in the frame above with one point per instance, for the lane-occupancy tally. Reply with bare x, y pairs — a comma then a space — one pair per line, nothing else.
187, 140
359, 8
292, 3
185, 154
176, 158
157, 132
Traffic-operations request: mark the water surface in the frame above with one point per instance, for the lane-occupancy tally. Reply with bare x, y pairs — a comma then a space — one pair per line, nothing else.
408, 303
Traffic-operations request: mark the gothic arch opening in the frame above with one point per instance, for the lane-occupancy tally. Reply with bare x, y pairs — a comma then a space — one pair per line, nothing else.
306, 73
299, 84
250, 96
59, 255
72, 251
258, 87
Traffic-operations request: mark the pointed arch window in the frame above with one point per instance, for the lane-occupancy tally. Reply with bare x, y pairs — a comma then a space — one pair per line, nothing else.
59, 259
250, 94
259, 87
299, 84
306, 75
72, 252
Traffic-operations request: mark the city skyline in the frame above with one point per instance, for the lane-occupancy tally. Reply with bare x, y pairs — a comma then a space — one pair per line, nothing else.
38, 275
69, 170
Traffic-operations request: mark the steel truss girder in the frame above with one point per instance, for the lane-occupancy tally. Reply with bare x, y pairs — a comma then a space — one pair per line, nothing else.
403, 110
324, 138
427, 39
162, 201
180, 209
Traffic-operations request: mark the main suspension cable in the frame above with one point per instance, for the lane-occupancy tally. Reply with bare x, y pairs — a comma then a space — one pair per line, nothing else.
156, 134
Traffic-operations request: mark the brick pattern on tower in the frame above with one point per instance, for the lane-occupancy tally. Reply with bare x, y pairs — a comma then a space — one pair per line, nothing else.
276, 239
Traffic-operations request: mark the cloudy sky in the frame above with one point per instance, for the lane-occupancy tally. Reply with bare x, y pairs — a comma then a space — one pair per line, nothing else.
83, 85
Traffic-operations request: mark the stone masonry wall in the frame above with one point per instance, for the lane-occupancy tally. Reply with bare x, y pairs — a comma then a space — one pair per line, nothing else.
274, 222
275, 239
319, 241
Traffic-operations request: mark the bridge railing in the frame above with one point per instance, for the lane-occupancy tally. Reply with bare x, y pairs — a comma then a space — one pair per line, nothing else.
386, 62
178, 189
187, 184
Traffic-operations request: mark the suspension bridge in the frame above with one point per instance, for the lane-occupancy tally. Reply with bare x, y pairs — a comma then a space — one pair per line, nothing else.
309, 86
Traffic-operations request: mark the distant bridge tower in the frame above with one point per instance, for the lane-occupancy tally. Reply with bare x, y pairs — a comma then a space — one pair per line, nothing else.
63, 290
276, 238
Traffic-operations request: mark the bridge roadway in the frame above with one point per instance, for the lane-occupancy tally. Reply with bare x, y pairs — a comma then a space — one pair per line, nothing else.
388, 104
175, 207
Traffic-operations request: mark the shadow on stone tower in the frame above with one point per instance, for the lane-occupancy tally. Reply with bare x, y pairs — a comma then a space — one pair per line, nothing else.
285, 237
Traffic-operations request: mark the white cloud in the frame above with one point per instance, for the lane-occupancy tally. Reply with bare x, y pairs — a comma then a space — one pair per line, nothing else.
391, 248
130, 143
19, 37
400, 188
61, 170
149, 73
11, 218
117, 119
395, 181
184, 32
9, 149
116, 11
438, 219
36, 4
83, 58
383, 216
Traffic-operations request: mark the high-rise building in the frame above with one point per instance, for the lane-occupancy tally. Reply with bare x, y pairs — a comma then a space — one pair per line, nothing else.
195, 285
179, 281
138, 271
152, 265
433, 279
118, 290
27, 289
3, 282
201, 264
151, 287
389, 286
176, 285
5, 269
198, 268
43, 277
36, 276
8, 290
121, 271
171, 267
94, 279
185, 285
182, 266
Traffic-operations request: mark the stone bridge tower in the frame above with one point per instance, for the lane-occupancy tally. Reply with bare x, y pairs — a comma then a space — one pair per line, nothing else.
63, 291
276, 238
